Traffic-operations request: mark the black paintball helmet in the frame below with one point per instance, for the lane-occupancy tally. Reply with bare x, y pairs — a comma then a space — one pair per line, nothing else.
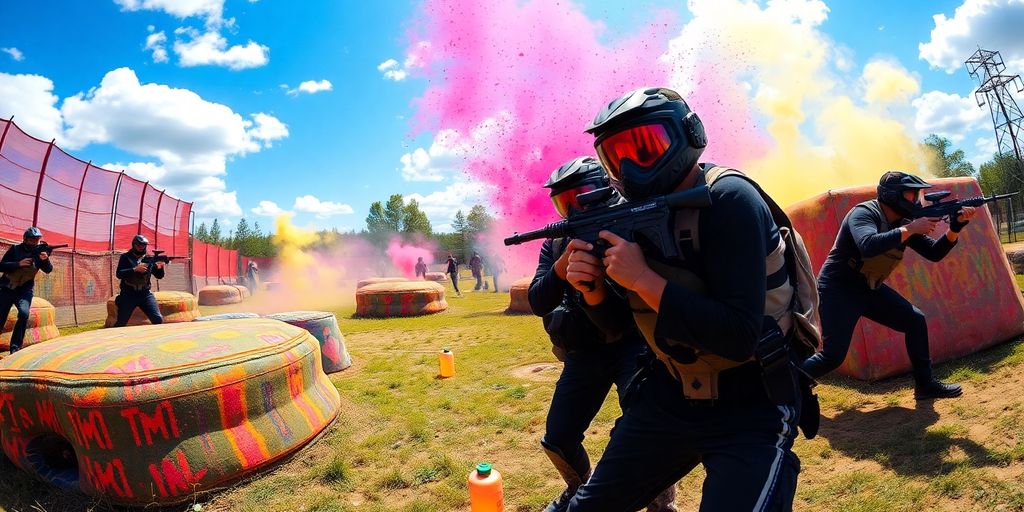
891, 187
578, 176
648, 140
33, 232
139, 239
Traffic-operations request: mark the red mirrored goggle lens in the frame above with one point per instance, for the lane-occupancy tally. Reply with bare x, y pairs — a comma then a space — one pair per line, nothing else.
567, 200
644, 145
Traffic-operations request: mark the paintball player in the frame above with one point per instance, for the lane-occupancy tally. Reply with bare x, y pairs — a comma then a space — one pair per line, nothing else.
593, 360
20, 265
705, 398
135, 274
476, 265
869, 246
421, 268
251, 274
453, 271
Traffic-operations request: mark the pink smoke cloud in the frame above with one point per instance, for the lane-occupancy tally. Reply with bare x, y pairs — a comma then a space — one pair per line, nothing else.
404, 256
539, 71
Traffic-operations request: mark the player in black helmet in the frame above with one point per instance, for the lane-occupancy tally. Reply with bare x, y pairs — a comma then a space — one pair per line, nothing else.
869, 246
706, 398
594, 360
19, 265
135, 284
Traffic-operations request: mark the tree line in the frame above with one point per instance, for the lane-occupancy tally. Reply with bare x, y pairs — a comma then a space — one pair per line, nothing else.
386, 219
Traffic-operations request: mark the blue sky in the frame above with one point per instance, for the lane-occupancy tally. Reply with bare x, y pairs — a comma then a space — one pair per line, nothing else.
206, 97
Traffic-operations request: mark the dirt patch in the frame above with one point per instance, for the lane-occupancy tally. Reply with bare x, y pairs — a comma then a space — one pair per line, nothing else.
540, 372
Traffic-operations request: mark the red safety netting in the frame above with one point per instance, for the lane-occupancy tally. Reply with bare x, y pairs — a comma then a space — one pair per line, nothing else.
212, 264
93, 210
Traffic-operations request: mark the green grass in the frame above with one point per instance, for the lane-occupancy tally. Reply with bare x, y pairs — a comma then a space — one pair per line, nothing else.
406, 440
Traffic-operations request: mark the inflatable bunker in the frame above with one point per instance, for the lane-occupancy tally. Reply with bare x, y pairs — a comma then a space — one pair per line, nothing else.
971, 298
439, 277
221, 294
519, 293
151, 414
324, 327
174, 306
391, 299
226, 316
41, 325
377, 280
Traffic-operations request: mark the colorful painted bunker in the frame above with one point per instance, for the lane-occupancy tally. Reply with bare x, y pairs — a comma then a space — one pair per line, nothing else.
151, 414
324, 327
221, 294
226, 316
41, 324
174, 306
970, 298
519, 296
409, 298
377, 280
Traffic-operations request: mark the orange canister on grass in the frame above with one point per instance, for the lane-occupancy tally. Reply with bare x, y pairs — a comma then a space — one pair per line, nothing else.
485, 494
447, 361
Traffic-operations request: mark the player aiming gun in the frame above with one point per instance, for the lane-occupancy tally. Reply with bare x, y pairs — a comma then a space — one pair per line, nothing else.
158, 256
938, 209
47, 248
648, 221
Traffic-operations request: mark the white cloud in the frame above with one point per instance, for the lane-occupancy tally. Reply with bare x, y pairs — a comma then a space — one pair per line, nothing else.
392, 71
211, 10
156, 42
322, 209
449, 149
30, 99
270, 209
190, 138
986, 146
14, 53
442, 205
990, 24
145, 171
309, 87
949, 115
313, 86
211, 48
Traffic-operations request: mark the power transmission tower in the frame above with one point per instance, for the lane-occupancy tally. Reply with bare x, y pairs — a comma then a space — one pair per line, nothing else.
987, 66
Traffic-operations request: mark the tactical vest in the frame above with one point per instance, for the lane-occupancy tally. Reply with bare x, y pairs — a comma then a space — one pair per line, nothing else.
22, 275
876, 269
698, 371
135, 280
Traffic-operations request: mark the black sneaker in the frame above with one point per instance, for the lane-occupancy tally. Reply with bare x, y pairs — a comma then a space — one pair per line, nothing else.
936, 389
562, 502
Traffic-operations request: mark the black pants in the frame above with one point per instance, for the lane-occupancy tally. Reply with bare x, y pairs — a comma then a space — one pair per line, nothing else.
128, 300
745, 446
581, 389
479, 280
455, 281
22, 300
840, 309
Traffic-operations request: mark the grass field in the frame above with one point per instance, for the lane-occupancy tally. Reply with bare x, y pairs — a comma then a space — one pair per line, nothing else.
406, 440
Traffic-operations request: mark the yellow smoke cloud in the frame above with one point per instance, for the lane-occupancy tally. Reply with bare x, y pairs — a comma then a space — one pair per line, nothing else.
821, 137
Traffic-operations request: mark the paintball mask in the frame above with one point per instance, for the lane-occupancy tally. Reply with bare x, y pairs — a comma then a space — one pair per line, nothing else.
648, 140
575, 177
891, 187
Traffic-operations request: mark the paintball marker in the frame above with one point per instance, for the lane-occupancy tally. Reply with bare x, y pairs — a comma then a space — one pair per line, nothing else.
158, 256
938, 209
648, 221
42, 247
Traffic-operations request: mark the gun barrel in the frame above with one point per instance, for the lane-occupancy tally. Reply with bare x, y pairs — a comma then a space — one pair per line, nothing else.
537, 234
